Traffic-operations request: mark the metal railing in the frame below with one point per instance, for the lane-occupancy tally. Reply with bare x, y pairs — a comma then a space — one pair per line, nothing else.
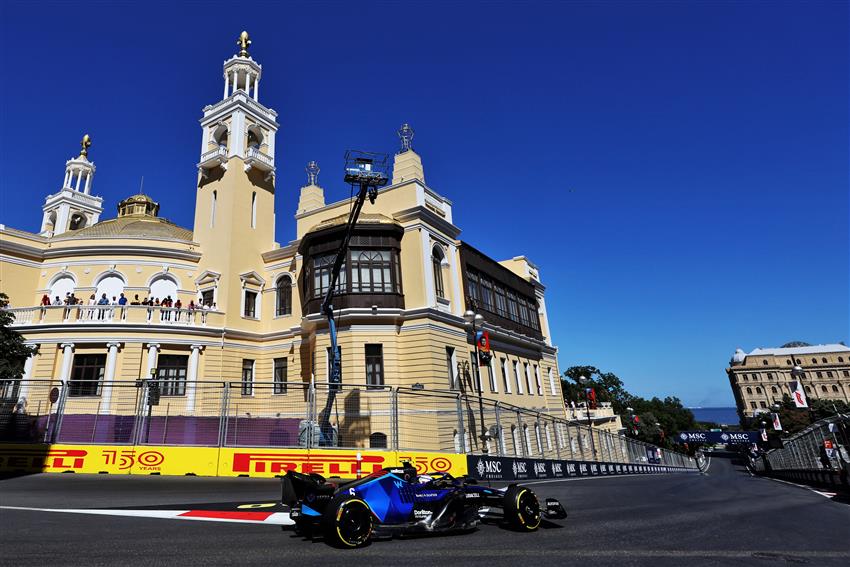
245, 414
107, 314
824, 445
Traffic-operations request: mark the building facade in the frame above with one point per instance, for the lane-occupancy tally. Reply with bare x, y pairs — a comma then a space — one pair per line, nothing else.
762, 377
249, 308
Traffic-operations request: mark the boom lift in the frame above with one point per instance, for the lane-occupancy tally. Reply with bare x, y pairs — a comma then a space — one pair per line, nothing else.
367, 171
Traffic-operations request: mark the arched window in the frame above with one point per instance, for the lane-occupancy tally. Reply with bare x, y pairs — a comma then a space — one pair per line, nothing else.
774, 390
823, 388
814, 361
758, 390
163, 286
527, 439
823, 360
378, 441
78, 221
62, 285
834, 388
255, 137
840, 359
284, 296
764, 362
437, 258
749, 390
254, 209
220, 136
515, 441
371, 271
111, 284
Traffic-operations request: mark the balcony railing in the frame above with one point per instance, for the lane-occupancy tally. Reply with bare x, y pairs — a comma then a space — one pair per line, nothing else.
256, 158
115, 314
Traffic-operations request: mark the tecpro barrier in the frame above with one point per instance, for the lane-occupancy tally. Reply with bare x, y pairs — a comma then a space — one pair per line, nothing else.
212, 461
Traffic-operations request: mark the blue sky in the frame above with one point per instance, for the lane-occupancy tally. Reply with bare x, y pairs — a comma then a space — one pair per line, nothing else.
679, 171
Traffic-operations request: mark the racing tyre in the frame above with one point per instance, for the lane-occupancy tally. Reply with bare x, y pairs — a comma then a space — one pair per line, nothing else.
347, 522
522, 509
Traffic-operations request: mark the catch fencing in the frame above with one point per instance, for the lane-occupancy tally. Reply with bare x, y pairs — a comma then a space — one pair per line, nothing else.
822, 445
298, 415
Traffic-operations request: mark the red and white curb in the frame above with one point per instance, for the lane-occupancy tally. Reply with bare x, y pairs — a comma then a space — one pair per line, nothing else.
269, 518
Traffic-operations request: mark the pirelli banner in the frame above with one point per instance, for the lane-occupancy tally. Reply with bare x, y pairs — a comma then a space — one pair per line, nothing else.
509, 468
214, 461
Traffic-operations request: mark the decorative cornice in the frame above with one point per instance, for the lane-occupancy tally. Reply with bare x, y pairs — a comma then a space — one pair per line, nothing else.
428, 217
122, 249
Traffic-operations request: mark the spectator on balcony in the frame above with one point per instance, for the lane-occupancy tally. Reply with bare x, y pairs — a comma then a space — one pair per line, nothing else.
213, 307
103, 300
155, 301
57, 301
67, 300
145, 301
136, 300
45, 300
122, 300
178, 304
191, 306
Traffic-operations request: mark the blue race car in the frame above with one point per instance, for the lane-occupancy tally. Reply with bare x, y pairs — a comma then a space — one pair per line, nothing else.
397, 501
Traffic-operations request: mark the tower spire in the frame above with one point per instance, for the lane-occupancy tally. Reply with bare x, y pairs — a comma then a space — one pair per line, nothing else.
243, 42
85, 143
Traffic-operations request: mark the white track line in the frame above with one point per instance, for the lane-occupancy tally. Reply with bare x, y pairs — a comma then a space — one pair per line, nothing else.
816, 491
277, 518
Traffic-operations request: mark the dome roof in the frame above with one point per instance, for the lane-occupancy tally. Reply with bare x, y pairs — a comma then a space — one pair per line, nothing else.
795, 344
739, 356
134, 227
139, 205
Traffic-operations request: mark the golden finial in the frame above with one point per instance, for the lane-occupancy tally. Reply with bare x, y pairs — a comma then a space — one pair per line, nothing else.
243, 42
85, 145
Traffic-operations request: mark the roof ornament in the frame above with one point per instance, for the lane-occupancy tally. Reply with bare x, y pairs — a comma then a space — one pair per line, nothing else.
243, 42
312, 170
84, 144
406, 133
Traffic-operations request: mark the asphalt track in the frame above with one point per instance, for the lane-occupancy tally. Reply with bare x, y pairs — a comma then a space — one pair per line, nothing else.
725, 517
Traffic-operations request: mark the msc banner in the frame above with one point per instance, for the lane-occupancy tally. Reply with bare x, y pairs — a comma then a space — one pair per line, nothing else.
728, 437
509, 468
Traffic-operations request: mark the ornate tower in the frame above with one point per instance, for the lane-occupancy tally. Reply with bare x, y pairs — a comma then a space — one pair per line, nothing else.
234, 206
73, 207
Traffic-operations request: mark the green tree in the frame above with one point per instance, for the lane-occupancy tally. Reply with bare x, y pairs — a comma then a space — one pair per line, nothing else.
658, 421
13, 351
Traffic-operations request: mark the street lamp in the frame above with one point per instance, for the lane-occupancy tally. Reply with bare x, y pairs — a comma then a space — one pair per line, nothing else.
583, 380
631, 412
473, 321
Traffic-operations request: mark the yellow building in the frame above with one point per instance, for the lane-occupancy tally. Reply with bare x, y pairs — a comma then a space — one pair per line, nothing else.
762, 377
255, 321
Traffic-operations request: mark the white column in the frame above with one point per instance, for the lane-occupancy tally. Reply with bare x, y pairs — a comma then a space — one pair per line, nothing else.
109, 376
88, 182
248, 84
153, 349
192, 377
428, 270
235, 80
67, 180
62, 217
79, 176
226, 84
257, 88
67, 360
22, 393
454, 269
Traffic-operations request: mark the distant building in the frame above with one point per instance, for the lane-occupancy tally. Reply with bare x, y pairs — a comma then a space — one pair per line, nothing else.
760, 378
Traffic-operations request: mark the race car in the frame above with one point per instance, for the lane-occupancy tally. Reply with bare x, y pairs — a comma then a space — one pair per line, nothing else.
397, 501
